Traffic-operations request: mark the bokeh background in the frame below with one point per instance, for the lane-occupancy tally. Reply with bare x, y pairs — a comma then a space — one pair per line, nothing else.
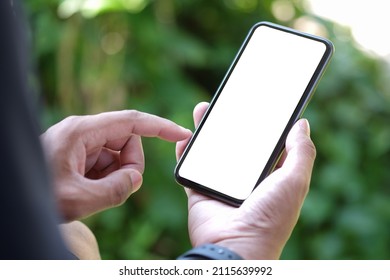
163, 57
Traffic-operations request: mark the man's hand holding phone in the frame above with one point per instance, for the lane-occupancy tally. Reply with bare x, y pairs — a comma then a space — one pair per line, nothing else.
261, 226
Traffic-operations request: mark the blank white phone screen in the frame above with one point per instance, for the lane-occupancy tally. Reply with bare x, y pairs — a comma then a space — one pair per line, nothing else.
250, 114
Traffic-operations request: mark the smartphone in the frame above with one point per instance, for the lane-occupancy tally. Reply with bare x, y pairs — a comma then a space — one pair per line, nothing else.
243, 132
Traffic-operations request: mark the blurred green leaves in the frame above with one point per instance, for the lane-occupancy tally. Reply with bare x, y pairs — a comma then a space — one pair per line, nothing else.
92, 8
163, 57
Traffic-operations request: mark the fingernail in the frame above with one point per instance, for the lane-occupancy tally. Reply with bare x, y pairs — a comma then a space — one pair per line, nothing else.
136, 180
186, 130
304, 124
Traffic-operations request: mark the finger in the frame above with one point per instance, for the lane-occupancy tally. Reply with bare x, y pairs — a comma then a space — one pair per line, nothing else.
91, 159
284, 153
132, 154
199, 111
116, 188
117, 144
288, 185
85, 196
180, 147
281, 160
105, 158
105, 162
300, 149
300, 156
111, 126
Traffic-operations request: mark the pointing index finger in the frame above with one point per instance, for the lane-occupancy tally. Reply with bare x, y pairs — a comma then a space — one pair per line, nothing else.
106, 127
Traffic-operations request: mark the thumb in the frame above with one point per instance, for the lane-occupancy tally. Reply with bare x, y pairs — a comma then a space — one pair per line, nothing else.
118, 186
85, 197
299, 147
301, 154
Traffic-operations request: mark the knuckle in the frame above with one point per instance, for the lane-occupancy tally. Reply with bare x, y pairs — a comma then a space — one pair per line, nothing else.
134, 114
69, 127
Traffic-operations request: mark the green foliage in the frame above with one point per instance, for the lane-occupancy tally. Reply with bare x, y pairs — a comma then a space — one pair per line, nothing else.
163, 57
346, 215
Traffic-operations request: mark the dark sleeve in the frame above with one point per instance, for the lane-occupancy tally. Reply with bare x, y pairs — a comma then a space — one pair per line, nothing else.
28, 216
